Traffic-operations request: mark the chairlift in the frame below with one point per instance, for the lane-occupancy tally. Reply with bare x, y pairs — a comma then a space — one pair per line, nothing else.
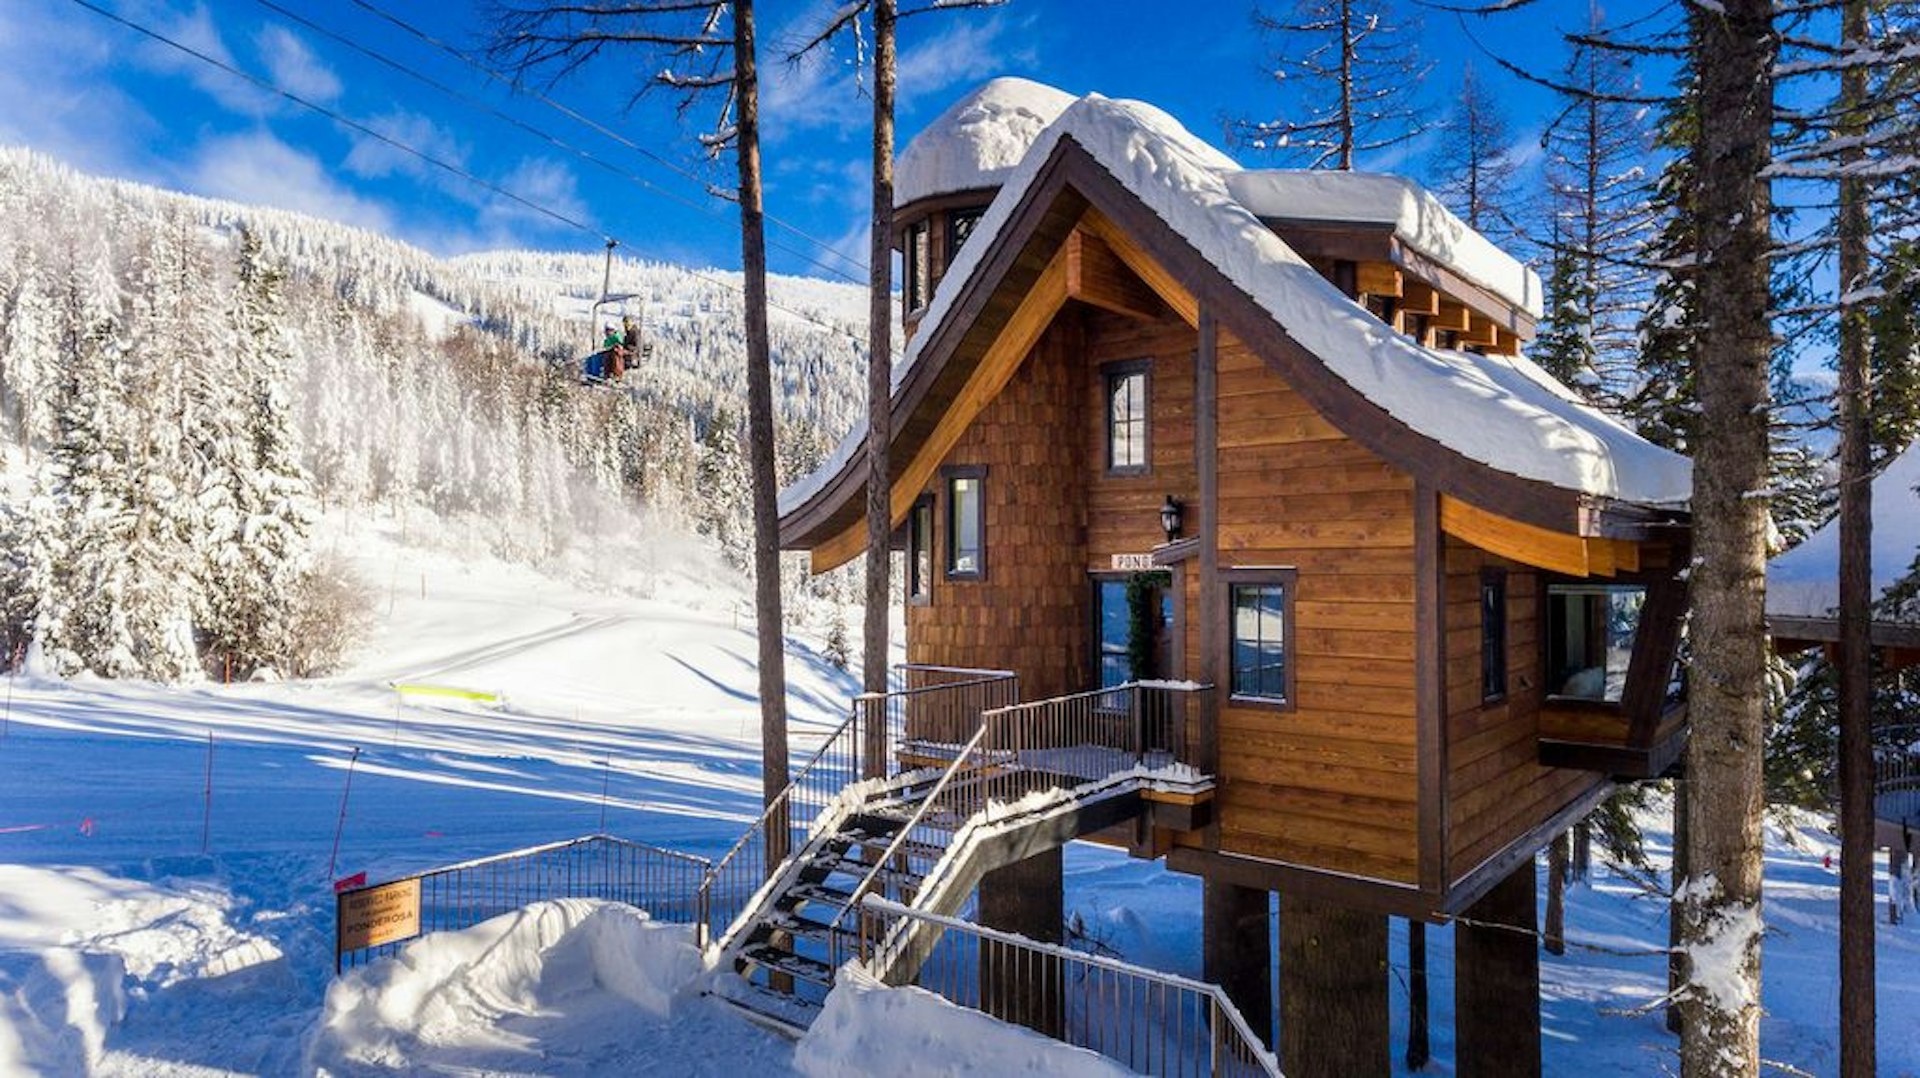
606, 365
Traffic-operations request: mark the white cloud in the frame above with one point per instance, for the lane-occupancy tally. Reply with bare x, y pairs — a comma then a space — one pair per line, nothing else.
196, 29
294, 67
259, 169
541, 181
371, 158
967, 49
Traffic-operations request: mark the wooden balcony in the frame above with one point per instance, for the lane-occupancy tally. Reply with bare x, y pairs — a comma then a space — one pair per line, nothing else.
1593, 735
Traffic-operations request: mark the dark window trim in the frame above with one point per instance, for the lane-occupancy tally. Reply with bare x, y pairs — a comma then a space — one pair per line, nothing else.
1109, 374
922, 595
954, 217
1289, 578
948, 474
1493, 671
917, 267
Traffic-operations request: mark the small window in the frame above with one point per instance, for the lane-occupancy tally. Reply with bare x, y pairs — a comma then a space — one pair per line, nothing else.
1260, 629
1493, 634
1590, 631
960, 226
1127, 418
918, 266
920, 551
966, 523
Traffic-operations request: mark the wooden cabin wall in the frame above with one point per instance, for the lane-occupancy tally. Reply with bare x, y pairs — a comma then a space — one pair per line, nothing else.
1496, 788
1332, 782
1123, 512
1030, 613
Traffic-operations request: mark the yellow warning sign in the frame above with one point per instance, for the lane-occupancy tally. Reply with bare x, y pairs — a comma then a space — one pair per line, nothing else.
377, 915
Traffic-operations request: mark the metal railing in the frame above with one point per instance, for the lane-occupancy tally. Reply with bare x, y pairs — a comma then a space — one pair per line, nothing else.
1023, 749
1151, 1022
1896, 773
872, 743
665, 883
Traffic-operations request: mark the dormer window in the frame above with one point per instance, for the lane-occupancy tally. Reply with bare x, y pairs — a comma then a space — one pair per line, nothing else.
919, 266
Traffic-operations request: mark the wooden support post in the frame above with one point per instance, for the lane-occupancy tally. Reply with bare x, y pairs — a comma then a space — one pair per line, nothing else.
1333, 991
1026, 898
1237, 949
1558, 854
1419, 1042
1496, 982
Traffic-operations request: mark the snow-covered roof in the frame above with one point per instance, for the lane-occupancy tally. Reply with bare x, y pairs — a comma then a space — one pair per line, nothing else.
1419, 218
1504, 412
978, 140
1805, 581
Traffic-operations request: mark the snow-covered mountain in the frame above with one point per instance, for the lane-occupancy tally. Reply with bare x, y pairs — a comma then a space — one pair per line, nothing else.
406, 381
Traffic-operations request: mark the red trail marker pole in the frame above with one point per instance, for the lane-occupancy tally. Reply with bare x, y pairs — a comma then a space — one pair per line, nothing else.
334, 859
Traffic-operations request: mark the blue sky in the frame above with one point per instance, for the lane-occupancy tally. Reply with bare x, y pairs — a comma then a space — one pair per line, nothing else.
108, 101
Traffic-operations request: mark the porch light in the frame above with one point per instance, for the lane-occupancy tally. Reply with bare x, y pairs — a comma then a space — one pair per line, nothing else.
1170, 517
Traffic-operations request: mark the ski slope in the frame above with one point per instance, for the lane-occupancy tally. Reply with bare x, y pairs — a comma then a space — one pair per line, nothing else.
622, 697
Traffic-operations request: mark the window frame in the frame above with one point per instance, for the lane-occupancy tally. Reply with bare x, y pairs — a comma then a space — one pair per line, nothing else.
916, 256
1549, 678
948, 476
1111, 375
969, 216
1493, 672
1287, 578
920, 540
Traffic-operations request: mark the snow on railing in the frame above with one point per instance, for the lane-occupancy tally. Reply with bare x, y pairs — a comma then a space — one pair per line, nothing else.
1896, 773
1151, 1022
870, 744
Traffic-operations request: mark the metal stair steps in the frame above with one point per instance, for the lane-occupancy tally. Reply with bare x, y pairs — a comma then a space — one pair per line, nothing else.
799, 967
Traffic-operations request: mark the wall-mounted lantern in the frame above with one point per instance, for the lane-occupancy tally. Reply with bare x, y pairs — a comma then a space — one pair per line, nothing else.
1170, 511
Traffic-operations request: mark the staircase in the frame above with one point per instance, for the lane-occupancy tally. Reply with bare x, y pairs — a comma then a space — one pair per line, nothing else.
933, 817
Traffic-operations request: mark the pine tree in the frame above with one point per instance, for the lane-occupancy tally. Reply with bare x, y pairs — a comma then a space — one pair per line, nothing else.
30, 357
1348, 72
1474, 170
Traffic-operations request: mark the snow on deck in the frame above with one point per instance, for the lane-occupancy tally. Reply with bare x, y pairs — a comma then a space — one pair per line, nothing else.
1805, 582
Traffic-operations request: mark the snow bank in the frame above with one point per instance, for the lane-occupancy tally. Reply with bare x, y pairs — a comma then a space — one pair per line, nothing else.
56, 1008
460, 992
1805, 581
978, 140
870, 1029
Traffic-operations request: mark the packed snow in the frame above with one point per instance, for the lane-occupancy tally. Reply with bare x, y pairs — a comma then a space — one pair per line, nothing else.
1505, 412
1805, 582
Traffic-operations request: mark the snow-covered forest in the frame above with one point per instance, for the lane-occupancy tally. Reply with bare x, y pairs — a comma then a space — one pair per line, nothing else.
185, 384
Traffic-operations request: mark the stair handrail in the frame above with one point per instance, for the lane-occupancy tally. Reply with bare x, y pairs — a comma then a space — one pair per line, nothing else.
783, 801
900, 837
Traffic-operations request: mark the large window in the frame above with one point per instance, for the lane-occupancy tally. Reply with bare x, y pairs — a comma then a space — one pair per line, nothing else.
920, 551
966, 523
1127, 417
1590, 631
919, 267
1260, 632
1493, 634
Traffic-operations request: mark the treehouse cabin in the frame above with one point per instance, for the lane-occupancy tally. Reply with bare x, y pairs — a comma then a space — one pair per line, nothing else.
1164, 419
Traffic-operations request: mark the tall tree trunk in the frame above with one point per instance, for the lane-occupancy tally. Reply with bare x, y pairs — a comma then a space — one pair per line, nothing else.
1582, 849
880, 356
1856, 587
1676, 957
1555, 936
1732, 49
766, 512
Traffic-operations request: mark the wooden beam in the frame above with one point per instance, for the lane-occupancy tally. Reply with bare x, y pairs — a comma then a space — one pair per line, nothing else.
1378, 279
1003, 357
1524, 543
1453, 316
1419, 298
1144, 266
1482, 332
1096, 275
1506, 343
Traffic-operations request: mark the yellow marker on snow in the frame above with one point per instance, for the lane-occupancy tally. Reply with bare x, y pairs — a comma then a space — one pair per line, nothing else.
447, 692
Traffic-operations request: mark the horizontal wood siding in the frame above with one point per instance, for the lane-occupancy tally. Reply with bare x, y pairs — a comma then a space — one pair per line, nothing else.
1331, 784
1123, 512
1496, 788
1030, 612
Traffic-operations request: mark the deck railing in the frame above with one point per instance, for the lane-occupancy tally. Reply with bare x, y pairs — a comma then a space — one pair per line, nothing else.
1896, 773
869, 744
1151, 1022
1032, 748
665, 883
